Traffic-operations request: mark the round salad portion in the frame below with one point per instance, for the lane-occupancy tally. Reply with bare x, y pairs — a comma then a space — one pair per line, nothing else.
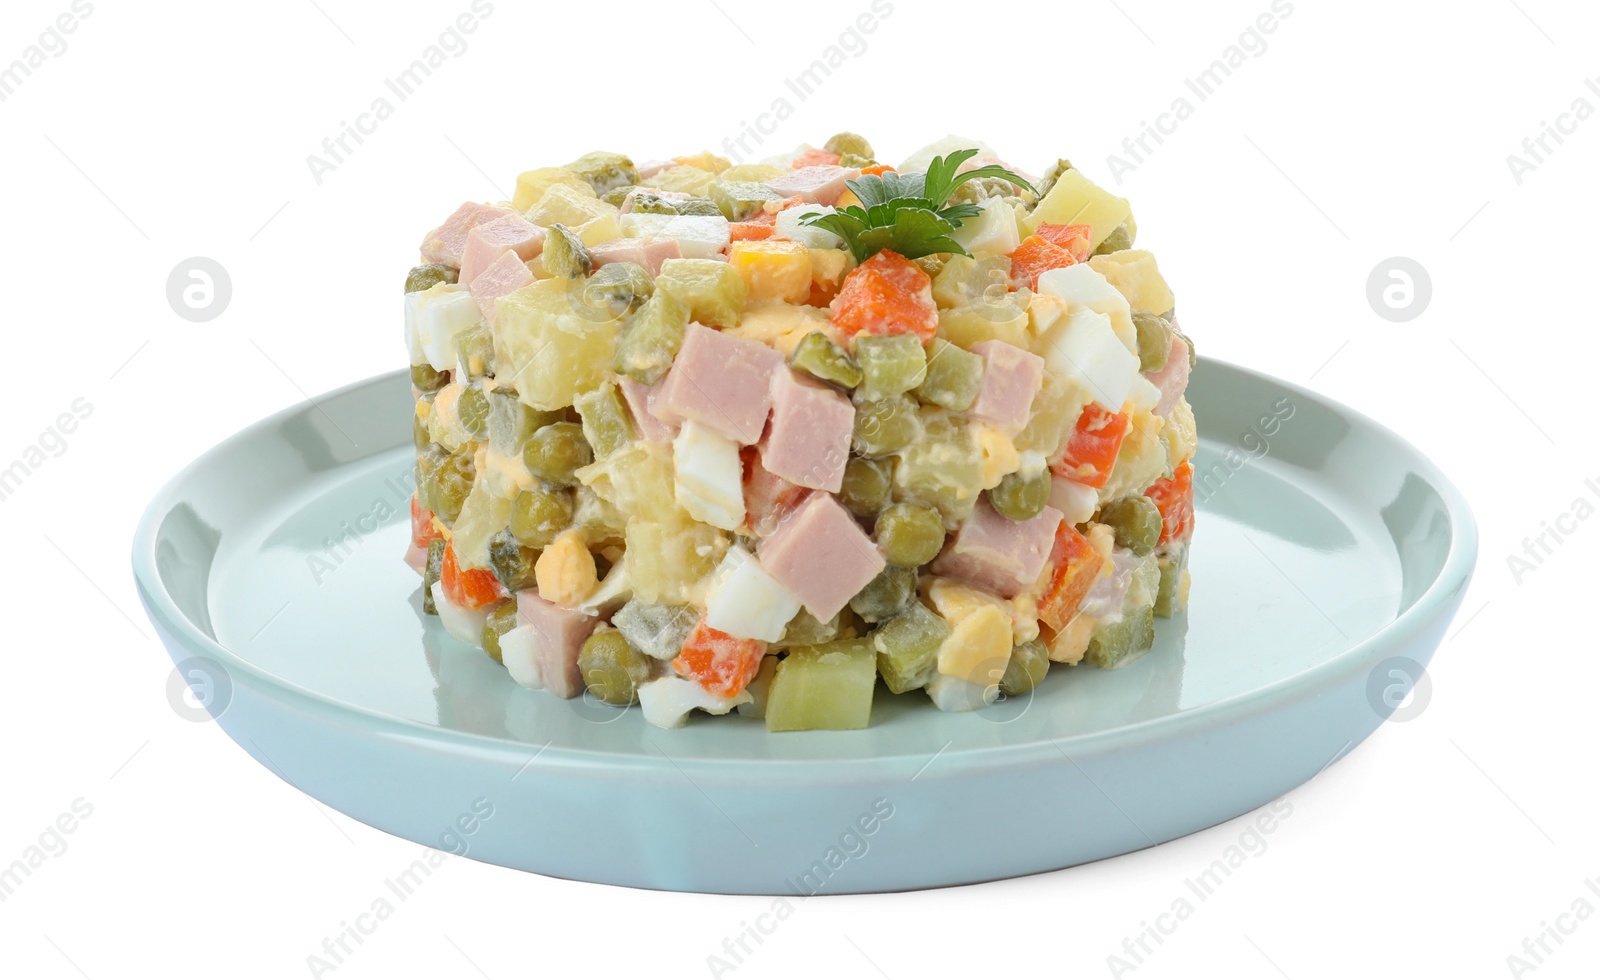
697, 435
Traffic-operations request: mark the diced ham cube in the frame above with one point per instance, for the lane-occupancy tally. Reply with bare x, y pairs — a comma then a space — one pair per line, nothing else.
1000, 555
808, 442
1172, 377
821, 554
445, 244
640, 397
490, 240
721, 381
816, 185
1011, 377
648, 252
504, 276
559, 632
768, 498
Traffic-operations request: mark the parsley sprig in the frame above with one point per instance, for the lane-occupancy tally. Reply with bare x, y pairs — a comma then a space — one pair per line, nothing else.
909, 213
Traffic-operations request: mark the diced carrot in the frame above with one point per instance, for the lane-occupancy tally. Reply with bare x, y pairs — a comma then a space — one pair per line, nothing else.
722, 664
822, 293
471, 588
1092, 450
749, 231
878, 169
1174, 498
887, 294
423, 528
792, 201
1037, 255
816, 158
1074, 566
1074, 238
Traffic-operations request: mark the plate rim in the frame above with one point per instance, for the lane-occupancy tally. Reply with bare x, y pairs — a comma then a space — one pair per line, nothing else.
1453, 577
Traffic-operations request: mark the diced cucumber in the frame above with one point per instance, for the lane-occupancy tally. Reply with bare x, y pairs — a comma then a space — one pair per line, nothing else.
606, 423
890, 365
738, 200
828, 686
1169, 595
889, 592
651, 340
1115, 644
825, 360
954, 376
430, 574
907, 647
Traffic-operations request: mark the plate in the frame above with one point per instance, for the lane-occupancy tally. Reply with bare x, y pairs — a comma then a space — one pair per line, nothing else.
1325, 548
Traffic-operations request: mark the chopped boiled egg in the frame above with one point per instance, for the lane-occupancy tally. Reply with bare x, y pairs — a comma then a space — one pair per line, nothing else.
519, 651
460, 622
1086, 289
1084, 349
746, 602
667, 701
434, 318
708, 477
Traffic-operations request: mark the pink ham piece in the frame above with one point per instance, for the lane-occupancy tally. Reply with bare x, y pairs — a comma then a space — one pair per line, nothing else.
821, 554
648, 252
490, 240
1011, 377
768, 498
814, 185
808, 442
1172, 377
997, 554
560, 632
505, 275
444, 244
639, 398
720, 381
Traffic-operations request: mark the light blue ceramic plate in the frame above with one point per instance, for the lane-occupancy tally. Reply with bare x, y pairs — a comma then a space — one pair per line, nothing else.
1325, 546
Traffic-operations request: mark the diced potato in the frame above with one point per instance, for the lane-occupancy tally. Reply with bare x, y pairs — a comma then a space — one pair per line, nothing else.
1134, 274
671, 562
970, 281
781, 326
599, 229
1069, 645
968, 325
1055, 409
828, 686
569, 206
1077, 200
995, 230
532, 185
1179, 433
637, 480
545, 348
773, 271
713, 291
484, 515
705, 160
682, 180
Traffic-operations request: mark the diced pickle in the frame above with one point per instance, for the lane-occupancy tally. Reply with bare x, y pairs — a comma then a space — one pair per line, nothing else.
954, 376
908, 647
1029, 663
425, 378
698, 207
943, 469
612, 668
565, 255
1019, 497
738, 200
425, 277
616, 195
472, 408
909, 534
884, 426
1114, 644
502, 620
647, 203
866, 485
827, 686
511, 423
430, 574
1119, 239
512, 561
1135, 521
538, 515
1169, 594
847, 142
605, 171
475, 351
805, 629
821, 358
656, 630
606, 423
856, 160
985, 188
556, 452
617, 287
652, 338
887, 595
890, 365
419, 432
713, 291
1155, 340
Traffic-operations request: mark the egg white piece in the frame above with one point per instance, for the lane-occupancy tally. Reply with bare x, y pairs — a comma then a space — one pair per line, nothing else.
746, 602
667, 701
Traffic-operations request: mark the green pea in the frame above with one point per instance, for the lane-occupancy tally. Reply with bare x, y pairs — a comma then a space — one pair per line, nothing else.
842, 143
825, 360
425, 277
887, 595
1135, 521
1119, 239
425, 378
1028, 665
511, 422
1155, 340
502, 620
538, 515
565, 255
556, 452
866, 485
612, 667
448, 485
909, 534
1018, 497
430, 574
512, 561
890, 365
954, 376
472, 408
884, 426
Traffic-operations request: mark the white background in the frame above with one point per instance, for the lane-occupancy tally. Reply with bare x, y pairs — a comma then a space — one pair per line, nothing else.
1365, 130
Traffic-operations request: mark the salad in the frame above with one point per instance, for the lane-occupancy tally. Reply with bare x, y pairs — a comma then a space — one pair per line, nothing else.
696, 435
